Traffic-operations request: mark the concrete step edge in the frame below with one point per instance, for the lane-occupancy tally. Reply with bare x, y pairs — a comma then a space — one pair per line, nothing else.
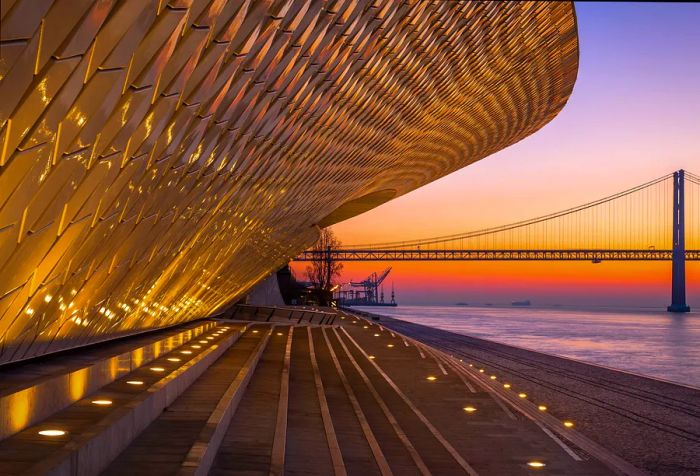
201, 456
24, 407
91, 452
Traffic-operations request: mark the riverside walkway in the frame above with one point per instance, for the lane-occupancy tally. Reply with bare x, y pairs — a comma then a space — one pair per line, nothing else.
653, 423
282, 397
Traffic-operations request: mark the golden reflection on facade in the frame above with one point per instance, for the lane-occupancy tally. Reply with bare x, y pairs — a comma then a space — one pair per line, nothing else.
158, 158
78, 383
17, 409
114, 369
137, 358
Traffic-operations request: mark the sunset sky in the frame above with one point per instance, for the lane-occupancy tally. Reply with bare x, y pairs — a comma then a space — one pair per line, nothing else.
634, 116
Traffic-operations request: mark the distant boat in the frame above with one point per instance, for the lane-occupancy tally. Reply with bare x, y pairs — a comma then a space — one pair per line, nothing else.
462, 304
521, 303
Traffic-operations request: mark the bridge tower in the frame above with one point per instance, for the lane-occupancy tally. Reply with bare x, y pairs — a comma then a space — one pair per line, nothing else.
678, 273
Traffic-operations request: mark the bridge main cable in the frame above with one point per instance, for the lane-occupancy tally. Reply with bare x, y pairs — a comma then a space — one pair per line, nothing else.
632, 225
511, 226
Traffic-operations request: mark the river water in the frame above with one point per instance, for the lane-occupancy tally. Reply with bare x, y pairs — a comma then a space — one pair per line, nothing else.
657, 344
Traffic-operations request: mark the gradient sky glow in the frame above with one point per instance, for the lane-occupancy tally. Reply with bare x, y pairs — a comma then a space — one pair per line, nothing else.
634, 116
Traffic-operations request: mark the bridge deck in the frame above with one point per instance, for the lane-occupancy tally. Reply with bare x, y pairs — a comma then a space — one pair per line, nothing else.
437, 254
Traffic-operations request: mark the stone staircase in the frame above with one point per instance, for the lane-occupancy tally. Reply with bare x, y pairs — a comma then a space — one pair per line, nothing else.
272, 398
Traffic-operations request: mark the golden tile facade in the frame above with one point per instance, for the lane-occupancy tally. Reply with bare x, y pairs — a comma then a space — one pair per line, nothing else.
159, 157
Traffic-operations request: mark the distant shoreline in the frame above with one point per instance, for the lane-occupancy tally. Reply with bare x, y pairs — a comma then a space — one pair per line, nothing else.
535, 306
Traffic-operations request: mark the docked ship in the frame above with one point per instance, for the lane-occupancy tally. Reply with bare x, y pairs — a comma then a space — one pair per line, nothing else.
160, 158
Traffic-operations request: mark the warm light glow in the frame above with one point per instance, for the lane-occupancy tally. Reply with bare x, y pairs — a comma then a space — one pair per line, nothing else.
469, 409
403, 163
21, 404
522, 395
52, 432
431, 378
78, 383
173, 359
506, 385
365, 327
203, 342
280, 334
255, 332
186, 352
569, 424
134, 382
536, 464
196, 346
542, 408
158, 369
102, 402
390, 345
371, 357
210, 338
376, 335
481, 371
493, 377
48, 298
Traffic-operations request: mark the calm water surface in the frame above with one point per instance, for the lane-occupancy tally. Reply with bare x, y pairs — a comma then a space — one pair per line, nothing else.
658, 344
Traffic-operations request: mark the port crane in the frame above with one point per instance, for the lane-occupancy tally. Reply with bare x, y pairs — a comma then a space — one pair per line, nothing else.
370, 286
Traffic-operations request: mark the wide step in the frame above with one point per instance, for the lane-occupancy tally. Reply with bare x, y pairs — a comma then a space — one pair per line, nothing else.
247, 447
85, 436
165, 445
33, 391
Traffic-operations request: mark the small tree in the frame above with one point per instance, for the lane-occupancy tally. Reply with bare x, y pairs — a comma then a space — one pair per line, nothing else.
324, 269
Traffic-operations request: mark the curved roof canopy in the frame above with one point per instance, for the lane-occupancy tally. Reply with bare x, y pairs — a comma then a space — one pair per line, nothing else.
158, 158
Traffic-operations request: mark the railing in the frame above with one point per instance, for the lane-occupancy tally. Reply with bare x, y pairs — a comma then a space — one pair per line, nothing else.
356, 312
294, 314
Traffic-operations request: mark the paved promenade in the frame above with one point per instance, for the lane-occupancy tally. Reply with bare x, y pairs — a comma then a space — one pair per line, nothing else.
651, 423
272, 398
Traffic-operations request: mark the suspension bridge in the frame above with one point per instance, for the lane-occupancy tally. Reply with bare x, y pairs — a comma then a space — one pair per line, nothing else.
655, 221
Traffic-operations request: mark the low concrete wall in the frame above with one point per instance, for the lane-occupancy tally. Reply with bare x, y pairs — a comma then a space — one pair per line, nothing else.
90, 453
24, 407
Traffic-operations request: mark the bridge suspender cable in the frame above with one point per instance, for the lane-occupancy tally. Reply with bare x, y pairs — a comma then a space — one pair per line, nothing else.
618, 227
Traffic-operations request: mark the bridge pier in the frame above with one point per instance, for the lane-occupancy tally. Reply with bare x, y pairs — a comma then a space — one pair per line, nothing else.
678, 271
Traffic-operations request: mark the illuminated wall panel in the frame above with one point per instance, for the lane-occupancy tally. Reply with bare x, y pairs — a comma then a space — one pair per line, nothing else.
157, 158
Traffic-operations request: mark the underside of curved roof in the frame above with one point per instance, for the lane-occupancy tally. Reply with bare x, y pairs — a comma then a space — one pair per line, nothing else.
158, 158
